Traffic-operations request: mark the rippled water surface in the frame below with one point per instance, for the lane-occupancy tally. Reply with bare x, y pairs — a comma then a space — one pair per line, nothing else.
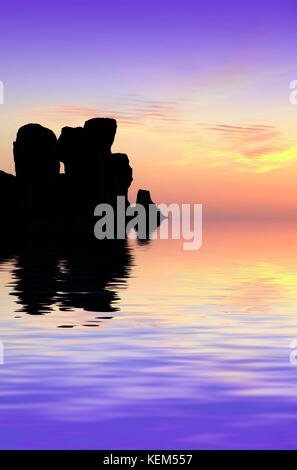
160, 348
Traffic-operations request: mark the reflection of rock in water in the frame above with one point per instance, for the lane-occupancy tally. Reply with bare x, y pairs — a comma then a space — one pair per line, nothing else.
88, 275
82, 278
35, 282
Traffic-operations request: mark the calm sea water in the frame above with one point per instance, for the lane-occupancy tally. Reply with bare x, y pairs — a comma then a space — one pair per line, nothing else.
161, 349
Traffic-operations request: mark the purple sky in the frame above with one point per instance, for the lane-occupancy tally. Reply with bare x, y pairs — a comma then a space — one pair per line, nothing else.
74, 51
172, 72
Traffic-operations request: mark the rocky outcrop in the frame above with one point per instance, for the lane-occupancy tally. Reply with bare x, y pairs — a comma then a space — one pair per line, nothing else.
93, 174
144, 198
154, 216
52, 202
89, 163
37, 169
8, 197
35, 154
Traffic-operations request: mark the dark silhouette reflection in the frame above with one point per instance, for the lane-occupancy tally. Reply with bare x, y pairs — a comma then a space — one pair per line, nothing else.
80, 278
36, 278
87, 277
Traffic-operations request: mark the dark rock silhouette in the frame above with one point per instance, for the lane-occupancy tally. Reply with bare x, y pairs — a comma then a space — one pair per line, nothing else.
48, 218
100, 134
8, 195
71, 150
144, 198
37, 171
114, 168
35, 154
86, 154
154, 216
8, 210
93, 174
51, 206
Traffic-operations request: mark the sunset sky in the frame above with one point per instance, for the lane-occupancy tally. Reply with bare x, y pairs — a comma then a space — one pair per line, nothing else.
200, 91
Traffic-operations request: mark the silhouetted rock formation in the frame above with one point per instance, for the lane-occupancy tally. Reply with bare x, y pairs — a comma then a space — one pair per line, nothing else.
62, 205
35, 154
86, 154
59, 263
37, 170
144, 198
71, 151
154, 216
100, 133
93, 174
114, 169
8, 195
8, 208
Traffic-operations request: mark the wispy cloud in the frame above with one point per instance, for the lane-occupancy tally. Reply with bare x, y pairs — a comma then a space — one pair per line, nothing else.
255, 132
131, 111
